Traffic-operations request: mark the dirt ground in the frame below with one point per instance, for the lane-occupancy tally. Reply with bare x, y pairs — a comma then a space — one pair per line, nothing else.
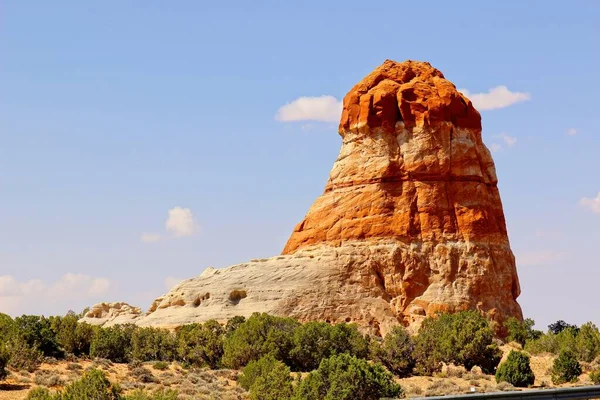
222, 384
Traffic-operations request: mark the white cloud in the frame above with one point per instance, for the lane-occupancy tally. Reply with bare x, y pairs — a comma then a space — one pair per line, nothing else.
322, 108
495, 98
180, 222
495, 147
150, 237
171, 281
572, 132
509, 140
538, 258
38, 297
592, 204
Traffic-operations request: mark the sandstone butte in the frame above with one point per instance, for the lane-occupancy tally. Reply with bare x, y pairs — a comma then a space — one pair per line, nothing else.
410, 223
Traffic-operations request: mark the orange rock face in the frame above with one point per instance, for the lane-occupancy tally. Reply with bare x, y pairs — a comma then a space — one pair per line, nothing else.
413, 170
410, 223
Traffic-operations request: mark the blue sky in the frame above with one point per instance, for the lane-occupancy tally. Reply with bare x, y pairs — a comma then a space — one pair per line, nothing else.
113, 113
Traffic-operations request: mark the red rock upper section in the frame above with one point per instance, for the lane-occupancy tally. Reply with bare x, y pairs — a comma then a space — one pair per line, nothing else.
412, 92
412, 166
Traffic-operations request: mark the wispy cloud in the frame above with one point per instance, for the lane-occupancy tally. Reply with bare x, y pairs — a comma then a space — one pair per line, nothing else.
592, 204
509, 140
322, 109
571, 131
538, 258
495, 98
149, 237
180, 222
37, 296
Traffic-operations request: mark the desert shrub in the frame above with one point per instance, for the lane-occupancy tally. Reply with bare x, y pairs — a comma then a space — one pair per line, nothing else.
201, 344
113, 343
267, 378
345, 377
74, 367
73, 337
92, 385
521, 331
152, 344
312, 343
560, 326
396, 352
587, 342
38, 334
347, 339
516, 370
316, 341
41, 394
553, 343
142, 374
505, 387
7, 326
566, 368
47, 379
233, 324
259, 335
4, 357
161, 395
464, 338
84, 335
22, 356
595, 376
161, 365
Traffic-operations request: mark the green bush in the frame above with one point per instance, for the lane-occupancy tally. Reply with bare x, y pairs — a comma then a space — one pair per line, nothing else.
161, 365
521, 331
587, 342
560, 326
566, 368
595, 376
38, 334
201, 344
233, 324
73, 337
40, 393
259, 335
267, 379
152, 344
113, 343
4, 357
162, 395
22, 356
316, 341
92, 385
7, 326
396, 352
584, 342
516, 370
464, 338
345, 377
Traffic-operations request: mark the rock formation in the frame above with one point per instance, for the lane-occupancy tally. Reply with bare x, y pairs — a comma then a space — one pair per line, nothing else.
108, 314
410, 222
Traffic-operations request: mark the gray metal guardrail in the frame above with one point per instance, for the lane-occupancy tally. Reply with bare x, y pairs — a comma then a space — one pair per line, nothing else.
573, 393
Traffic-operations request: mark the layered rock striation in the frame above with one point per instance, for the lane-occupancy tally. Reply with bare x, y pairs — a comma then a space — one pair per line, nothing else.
410, 222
